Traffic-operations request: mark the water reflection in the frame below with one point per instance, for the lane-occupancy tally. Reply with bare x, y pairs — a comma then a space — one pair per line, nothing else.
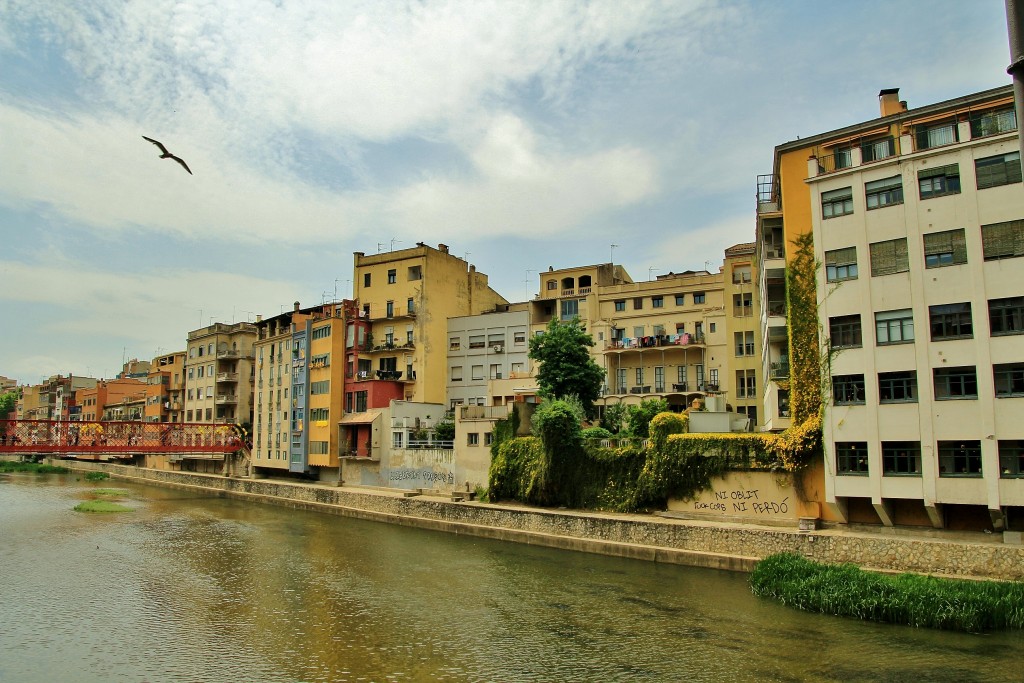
190, 587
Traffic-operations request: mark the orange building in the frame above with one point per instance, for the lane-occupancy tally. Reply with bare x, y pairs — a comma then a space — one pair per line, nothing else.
92, 401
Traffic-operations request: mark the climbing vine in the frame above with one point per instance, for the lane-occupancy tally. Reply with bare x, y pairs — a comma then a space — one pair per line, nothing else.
805, 397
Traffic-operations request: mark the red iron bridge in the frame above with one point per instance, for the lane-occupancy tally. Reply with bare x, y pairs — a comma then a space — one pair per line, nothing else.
120, 440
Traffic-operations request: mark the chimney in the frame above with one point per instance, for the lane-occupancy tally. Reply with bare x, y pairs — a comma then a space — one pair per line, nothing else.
296, 306
889, 102
443, 248
259, 318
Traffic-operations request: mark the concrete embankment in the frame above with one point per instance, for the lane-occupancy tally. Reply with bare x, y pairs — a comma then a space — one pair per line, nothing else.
718, 545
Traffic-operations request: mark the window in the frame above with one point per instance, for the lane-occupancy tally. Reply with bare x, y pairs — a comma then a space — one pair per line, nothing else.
837, 203
711, 327
191, 372
321, 360
955, 383
744, 343
844, 331
415, 273
847, 390
361, 397
742, 305
841, 264
389, 309
199, 393
552, 284
699, 298
473, 438
901, 458
740, 274
1002, 169
570, 308
476, 341
457, 373
680, 299
201, 371
320, 388
639, 377
321, 332
897, 387
894, 327
638, 331
1011, 459
1003, 240
392, 276
746, 384
951, 321
935, 135
1009, 378
852, 457
620, 304
875, 150
477, 372
638, 303
1006, 316
889, 257
454, 343
935, 182
517, 368
495, 371
410, 306
945, 248
959, 458
488, 438
884, 192
366, 279
209, 414
993, 122
658, 301
317, 414
659, 378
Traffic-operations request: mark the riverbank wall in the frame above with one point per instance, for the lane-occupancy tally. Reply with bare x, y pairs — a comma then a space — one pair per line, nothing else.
718, 545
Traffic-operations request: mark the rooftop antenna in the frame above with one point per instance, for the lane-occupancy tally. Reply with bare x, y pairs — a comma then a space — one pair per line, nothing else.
380, 247
335, 289
613, 248
650, 272
526, 284
707, 266
251, 314
393, 240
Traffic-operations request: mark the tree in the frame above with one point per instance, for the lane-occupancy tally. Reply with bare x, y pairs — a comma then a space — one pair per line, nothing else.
639, 417
565, 366
7, 403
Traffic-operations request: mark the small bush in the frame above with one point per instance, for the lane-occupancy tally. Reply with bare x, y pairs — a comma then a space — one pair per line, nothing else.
38, 468
96, 476
909, 599
596, 433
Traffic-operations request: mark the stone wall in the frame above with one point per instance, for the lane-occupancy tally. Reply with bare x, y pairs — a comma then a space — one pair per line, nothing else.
691, 542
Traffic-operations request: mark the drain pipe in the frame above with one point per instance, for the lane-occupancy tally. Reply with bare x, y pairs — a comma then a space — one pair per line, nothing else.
1015, 29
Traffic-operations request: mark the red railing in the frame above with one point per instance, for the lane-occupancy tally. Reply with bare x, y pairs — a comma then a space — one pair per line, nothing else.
68, 438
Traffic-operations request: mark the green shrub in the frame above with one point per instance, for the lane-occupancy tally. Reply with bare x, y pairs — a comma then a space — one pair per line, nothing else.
96, 476
613, 417
909, 599
638, 418
596, 433
38, 468
513, 471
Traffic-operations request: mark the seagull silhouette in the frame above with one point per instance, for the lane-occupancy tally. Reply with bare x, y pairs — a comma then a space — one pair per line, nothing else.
167, 155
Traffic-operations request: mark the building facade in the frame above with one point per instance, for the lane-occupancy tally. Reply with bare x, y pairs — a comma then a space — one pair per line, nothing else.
219, 374
918, 225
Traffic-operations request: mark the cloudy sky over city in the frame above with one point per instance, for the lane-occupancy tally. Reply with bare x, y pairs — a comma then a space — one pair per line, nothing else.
523, 134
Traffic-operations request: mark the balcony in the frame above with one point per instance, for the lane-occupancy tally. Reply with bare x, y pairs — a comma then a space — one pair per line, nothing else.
226, 399
656, 341
779, 370
777, 309
227, 376
388, 346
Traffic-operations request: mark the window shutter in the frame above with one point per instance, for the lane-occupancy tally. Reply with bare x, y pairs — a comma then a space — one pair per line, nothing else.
958, 242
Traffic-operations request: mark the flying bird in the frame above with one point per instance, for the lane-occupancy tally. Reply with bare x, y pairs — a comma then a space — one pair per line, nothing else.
164, 154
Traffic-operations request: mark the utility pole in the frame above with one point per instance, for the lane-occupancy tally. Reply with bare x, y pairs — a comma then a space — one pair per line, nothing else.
1015, 30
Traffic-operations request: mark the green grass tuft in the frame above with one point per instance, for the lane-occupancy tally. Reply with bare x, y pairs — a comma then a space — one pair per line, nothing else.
110, 493
96, 476
909, 599
37, 467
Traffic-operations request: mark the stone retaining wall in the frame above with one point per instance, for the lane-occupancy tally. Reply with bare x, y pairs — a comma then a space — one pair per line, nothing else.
698, 543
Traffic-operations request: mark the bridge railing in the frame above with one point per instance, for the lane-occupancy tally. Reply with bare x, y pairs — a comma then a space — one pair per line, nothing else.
64, 437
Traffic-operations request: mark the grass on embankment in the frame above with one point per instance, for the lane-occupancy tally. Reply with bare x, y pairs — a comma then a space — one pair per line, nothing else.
38, 467
910, 599
101, 506
110, 493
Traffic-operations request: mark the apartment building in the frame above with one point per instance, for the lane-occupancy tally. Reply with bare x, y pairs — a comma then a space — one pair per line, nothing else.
918, 224
97, 403
405, 299
165, 386
52, 399
488, 357
219, 374
741, 328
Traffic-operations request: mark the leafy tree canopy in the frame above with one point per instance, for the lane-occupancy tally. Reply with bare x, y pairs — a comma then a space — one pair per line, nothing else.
565, 367
639, 417
7, 403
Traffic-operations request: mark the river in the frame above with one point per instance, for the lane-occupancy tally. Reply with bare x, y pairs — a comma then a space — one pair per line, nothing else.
194, 587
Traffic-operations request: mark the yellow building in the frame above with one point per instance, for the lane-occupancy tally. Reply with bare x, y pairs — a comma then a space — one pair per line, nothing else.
405, 298
742, 332
166, 383
916, 219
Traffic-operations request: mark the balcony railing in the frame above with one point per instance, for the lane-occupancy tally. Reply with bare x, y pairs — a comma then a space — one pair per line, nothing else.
777, 308
779, 369
227, 377
226, 399
661, 340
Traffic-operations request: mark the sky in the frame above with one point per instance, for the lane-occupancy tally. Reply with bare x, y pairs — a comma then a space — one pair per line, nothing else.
523, 134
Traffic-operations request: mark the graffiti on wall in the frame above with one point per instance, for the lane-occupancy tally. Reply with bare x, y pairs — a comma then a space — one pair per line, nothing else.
427, 478
742, 502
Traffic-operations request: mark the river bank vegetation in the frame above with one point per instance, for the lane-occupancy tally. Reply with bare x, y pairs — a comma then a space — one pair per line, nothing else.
908, 599
37, 467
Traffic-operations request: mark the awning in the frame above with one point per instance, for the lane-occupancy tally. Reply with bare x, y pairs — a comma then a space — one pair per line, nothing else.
366, 418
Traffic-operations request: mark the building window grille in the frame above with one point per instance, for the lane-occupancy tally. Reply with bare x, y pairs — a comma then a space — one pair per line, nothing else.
1006, 316
1003, 240
947, 248
901, 459
848, 390
955, 383
884, 192
1002, 169
936, 182
852, 458
841, 264
897, 387
837, 203
889, 257
951, 321
959, 458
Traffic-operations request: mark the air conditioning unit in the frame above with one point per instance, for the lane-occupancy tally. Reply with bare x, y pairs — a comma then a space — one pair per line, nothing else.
498, 348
